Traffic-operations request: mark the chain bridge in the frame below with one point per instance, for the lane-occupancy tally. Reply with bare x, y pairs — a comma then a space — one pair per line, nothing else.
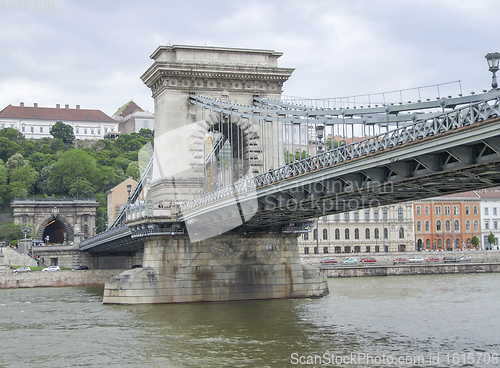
237, 172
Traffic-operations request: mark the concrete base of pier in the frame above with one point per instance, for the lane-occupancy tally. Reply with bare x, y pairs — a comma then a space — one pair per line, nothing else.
232, 266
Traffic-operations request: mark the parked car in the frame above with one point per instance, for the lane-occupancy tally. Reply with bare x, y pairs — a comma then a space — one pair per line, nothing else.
400, 261
416, 260
350, 260
52, 269
465, 259
369, 260
432, 259
450, 259
22, 270
329, 261
80, 268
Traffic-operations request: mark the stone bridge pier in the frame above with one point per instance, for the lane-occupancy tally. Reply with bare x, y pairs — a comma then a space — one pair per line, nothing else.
224, 263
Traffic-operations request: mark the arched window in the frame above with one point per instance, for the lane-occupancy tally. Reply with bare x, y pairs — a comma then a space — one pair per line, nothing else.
401, 233
439, 243
347, 233
448, 243
306, 236
367, 233
337, 234
467, 225
325, 234
356, 233
419, 226
457, 225
428, 243
427, 226
476, 225
376, 233
438, 225
447, 225
468, 242
386, 233
400, 213
315, 234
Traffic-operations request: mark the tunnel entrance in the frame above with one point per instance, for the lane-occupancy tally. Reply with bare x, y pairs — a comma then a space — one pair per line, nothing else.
55, 232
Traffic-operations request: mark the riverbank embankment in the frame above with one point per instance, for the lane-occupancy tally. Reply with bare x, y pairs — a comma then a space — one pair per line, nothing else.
56, 279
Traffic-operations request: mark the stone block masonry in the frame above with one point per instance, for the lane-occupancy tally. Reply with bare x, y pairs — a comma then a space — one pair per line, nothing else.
231, 266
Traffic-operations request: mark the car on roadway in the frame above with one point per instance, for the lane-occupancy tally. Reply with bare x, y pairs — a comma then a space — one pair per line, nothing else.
465, 258
450, 259
416, 260
329, 261
80, 268
52, 269
400, 260
350, 261
368, 260
22, 270
432, 259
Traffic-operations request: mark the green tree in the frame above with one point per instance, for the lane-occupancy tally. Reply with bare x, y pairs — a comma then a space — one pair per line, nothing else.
3, 182
63, 132
12, 134
491, 238
74, 163
8, 148
22, 177
133, 170
81, 188
475, 241
10, 231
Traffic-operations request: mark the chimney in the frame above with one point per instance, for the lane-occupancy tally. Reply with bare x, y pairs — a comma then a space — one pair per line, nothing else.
66, 106
35, 104
58, 106
21, 104
78, 107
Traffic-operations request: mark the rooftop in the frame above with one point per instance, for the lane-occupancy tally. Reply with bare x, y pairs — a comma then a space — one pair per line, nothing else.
54, 113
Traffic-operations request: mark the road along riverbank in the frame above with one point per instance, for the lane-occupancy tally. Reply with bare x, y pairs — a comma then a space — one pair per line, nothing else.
414, 269
58, 279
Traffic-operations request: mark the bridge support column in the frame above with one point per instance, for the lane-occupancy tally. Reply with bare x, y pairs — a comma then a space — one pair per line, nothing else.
231, 266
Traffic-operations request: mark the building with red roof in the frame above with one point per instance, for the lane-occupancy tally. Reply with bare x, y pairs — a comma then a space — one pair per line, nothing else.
35, 122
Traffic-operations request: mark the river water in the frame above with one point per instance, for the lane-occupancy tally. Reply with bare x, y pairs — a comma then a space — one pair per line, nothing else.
401, 321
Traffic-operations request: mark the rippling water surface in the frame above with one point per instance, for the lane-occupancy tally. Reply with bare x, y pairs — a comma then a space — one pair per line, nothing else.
379, 321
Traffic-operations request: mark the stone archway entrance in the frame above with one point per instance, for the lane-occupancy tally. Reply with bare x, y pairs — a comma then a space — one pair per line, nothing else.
55, 232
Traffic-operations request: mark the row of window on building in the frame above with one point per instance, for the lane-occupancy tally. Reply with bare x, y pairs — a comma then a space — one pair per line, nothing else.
90, 131
447, 210
447, 226
376, 217
376, 234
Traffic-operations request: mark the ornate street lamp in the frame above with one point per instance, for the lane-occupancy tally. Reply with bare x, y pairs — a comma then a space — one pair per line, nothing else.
319, 134
493, 59
129, 189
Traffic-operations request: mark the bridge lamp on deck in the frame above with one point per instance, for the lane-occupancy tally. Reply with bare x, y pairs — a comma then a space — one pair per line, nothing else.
129, 189
319, 134
493, 59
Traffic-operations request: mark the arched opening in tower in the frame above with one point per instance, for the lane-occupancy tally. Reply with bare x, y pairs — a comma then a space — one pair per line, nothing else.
226, 153
55, 232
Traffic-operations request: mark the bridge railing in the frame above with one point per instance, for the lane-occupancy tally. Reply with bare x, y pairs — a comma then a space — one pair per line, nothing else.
435, 124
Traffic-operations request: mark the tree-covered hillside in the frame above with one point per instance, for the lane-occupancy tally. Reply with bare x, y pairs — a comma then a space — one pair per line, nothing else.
59, 166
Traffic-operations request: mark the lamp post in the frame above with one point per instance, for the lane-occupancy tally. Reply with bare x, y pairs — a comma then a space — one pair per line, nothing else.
129, 190
493, 59
319, 134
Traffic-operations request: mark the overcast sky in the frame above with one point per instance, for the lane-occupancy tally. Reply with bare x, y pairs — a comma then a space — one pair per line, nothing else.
92, 53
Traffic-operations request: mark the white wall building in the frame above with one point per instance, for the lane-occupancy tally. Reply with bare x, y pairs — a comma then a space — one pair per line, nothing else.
133, 118
35, 122
362, 231
490, 216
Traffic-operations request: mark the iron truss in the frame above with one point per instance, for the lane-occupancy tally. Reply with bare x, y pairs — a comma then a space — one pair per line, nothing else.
422, 126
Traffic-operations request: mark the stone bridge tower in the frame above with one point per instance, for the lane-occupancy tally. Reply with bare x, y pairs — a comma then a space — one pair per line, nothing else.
232, 74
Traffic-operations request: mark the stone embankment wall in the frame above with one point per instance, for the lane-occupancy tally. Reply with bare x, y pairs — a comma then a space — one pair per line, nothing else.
59, 278
402, 270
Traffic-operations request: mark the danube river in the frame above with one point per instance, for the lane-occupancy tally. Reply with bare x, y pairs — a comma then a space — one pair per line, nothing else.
413, 321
